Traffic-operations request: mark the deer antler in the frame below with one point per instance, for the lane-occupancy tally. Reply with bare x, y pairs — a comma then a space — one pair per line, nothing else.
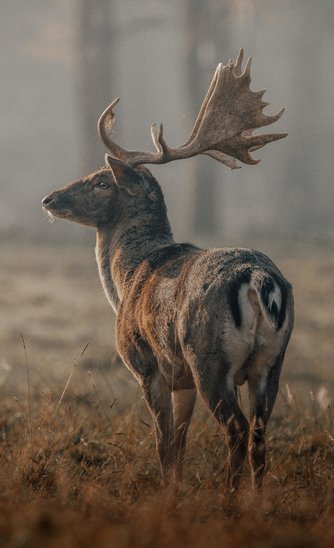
223, 128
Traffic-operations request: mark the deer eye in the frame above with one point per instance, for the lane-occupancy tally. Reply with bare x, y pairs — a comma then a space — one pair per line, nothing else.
103, 185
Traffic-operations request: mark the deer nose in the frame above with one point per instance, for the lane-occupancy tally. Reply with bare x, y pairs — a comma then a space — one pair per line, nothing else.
47, 200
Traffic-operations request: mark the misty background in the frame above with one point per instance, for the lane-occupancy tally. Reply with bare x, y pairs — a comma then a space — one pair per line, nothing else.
63, 61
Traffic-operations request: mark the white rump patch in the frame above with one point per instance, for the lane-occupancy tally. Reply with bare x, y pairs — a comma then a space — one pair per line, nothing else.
275, 297
257, 332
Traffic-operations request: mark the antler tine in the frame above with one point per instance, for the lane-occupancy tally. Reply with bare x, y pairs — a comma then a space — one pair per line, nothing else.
131, 157
105, 126
246, 73
243, 144
203, 107
238, 63
155, 137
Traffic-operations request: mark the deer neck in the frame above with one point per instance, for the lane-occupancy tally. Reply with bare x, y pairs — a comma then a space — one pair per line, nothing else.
122, 248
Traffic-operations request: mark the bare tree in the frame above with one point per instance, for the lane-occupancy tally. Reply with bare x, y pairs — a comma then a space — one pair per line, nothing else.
300, 164
205, 41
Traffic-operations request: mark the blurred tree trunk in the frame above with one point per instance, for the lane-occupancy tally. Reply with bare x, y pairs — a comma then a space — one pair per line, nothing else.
94, 53
302, 165
206, 43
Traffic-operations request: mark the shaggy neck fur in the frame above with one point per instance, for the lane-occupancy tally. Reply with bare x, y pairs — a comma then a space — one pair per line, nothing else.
122, 245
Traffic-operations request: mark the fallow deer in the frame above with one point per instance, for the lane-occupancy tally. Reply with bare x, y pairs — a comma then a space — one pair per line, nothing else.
189, 319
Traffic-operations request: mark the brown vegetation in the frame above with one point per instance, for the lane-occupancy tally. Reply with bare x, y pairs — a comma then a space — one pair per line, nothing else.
78, 461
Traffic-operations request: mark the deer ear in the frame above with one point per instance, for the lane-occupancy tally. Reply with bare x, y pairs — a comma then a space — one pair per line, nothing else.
124, 176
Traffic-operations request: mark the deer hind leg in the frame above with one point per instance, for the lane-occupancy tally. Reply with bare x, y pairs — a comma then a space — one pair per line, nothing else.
159, 402
237, 429
221, 398
262, 395
183, 406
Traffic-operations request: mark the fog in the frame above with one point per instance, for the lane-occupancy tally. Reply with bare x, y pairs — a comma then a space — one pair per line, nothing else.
78, 465
63, 61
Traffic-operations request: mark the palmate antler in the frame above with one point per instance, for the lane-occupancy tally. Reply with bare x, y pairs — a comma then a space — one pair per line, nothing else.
223, 129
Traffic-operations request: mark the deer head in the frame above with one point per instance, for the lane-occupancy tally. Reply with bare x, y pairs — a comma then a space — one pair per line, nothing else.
102, 197
223, 130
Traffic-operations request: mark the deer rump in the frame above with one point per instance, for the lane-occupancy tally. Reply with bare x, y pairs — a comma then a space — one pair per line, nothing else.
192, 311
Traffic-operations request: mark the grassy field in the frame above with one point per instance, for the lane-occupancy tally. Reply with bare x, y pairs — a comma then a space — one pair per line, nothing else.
77, 456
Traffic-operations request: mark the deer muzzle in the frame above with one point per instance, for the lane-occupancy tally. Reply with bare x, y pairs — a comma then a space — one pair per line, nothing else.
57, 204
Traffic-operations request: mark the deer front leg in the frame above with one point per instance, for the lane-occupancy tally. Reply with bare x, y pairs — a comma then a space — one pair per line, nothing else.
159, 402
183, 406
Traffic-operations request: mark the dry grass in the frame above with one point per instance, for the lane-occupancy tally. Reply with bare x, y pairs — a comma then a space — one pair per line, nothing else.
78, 463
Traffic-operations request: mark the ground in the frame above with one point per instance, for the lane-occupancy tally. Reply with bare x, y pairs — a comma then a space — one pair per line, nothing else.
78, 462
